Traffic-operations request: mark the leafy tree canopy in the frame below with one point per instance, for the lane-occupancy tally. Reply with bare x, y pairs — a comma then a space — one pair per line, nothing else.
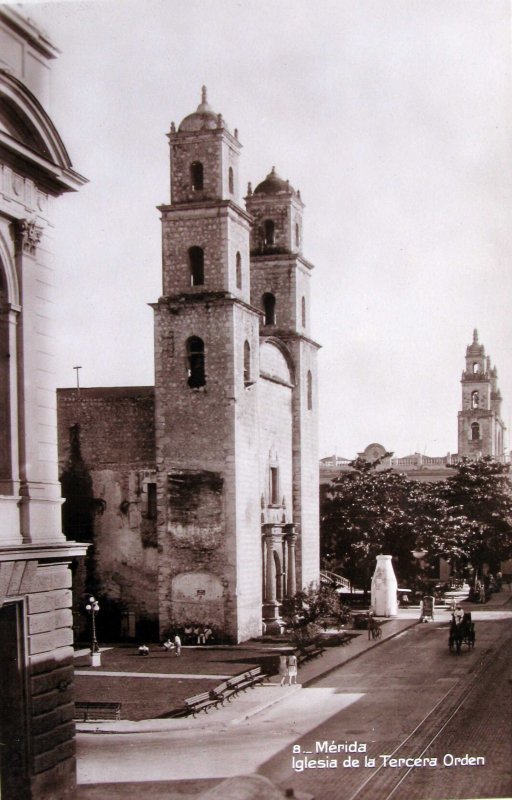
481, 491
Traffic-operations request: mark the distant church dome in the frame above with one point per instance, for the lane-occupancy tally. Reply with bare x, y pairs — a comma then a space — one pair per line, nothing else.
273, 184
475, 349
203, 117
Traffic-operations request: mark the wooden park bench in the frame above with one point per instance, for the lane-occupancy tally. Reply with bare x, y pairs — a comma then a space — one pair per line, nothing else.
201, 702
85, 711
309, 652
224, 691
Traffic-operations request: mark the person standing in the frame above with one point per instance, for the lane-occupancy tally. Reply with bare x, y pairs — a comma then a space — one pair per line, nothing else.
177, 645
292, 669
283, 668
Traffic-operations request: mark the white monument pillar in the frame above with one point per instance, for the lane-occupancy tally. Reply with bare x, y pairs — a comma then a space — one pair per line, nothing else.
384, 588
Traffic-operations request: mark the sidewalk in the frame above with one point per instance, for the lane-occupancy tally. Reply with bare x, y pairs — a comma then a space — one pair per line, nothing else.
254, 701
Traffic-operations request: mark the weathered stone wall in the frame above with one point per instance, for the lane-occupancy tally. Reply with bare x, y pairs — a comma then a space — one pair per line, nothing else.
216, 151
116, 423
107, 463
220, 231
206, 467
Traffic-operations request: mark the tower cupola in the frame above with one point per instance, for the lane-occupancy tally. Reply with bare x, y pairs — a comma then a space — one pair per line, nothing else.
277, 210
204, 157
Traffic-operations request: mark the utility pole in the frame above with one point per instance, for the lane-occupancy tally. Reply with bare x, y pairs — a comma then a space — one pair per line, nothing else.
77, 379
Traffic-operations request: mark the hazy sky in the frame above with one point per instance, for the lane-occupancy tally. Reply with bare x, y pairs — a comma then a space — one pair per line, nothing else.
393, 118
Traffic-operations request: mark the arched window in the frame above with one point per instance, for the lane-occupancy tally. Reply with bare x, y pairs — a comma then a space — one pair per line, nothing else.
196, 176
238, 271
303, 312
476, 368
474, 399
195, 360
475, 431
274, 486
297, 234
247, 363
310, 390
196, 263
269, 308
231, 181
269, 231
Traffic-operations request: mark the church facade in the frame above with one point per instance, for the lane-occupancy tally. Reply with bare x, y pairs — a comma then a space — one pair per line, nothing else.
204, 489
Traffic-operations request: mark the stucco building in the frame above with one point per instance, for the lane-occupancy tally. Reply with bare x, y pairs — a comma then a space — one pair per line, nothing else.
202, 492
36, 652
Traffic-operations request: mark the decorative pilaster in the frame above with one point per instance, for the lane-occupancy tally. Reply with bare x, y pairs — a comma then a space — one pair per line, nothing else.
291, 579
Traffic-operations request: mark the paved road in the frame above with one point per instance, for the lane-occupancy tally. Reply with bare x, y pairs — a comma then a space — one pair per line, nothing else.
376, 701
411, 686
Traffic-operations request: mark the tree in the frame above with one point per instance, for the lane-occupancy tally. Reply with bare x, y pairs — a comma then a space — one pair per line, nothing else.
481, 492
369, 511
309, 610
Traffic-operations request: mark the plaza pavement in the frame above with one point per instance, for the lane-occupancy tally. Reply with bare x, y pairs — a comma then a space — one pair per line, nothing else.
253, 702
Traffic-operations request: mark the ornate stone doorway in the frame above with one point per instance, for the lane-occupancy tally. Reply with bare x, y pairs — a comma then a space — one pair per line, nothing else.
279, 575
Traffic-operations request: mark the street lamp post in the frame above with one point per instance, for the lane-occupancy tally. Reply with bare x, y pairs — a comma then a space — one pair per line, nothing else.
93, 607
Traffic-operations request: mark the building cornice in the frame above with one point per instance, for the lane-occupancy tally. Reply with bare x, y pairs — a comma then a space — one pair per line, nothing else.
54, 552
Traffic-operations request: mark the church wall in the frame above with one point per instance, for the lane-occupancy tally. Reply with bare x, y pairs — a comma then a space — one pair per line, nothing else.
277, 277
275, 403
196, 466
306, 470
247, 494
106, 474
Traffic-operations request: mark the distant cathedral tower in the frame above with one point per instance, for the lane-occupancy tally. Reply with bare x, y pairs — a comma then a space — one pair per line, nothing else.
235, 392
481, 430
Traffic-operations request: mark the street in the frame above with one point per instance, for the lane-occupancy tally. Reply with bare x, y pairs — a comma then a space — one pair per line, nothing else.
409, 698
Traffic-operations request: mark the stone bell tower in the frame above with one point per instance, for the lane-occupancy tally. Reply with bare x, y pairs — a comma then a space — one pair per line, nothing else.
280, 287
480, 429
206, 365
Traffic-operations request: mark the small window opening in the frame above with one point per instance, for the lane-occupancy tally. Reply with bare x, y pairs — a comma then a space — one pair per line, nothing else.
274, 486
195, 358
231, 181
475, 431
238, 271
303, 312
196, 176
310, 390
196, 261
247, 364
269, 308
269, 231
297, 234
476, 368
474, 399
151, 490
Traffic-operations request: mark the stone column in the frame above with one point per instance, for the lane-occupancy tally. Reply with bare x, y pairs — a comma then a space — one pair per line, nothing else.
271, 607
291, 579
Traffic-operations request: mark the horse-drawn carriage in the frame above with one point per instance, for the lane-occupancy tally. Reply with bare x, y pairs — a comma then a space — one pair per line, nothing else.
462, 631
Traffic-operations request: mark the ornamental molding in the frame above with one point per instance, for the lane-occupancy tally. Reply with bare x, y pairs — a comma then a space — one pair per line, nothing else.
31, 234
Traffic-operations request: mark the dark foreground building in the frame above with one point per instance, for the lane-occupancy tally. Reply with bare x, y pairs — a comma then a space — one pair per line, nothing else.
36, 645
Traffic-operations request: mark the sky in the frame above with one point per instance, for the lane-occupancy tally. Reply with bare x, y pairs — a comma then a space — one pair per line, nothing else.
392, 117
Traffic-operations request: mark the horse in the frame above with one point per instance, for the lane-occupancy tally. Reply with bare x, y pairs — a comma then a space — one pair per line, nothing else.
462, 630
